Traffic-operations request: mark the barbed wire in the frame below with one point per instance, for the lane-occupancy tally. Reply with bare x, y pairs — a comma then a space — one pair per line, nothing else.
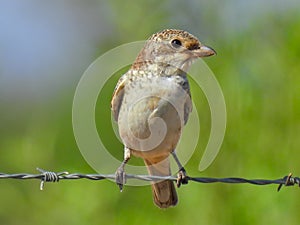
49, 176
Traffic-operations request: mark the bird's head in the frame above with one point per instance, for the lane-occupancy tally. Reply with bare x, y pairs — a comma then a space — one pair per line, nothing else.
177, 48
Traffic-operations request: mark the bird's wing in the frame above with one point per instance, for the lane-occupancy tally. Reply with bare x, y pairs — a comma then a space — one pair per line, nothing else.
117, 97
188, 105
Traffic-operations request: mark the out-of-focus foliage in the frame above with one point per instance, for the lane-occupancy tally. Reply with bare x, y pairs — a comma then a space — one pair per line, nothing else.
46, 47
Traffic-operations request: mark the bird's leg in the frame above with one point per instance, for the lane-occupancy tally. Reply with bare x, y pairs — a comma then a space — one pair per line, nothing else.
181, 176
120, 173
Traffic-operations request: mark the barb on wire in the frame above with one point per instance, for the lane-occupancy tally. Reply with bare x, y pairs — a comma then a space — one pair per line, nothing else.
49, 176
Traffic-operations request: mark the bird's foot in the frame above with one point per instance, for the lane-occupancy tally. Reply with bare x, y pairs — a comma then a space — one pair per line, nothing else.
182, 178
120, 177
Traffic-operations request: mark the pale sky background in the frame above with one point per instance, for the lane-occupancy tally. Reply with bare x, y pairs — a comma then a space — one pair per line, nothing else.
47, 45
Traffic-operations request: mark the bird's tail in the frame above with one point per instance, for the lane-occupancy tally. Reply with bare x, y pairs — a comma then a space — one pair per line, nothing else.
164, 193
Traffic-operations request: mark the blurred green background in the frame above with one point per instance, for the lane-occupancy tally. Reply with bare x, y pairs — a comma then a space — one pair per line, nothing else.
45, 46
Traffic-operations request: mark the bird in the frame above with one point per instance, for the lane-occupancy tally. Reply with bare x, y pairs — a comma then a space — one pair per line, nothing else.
151, 104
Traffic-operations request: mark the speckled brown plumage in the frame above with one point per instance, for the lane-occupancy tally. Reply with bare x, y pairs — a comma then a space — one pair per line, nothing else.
152, 102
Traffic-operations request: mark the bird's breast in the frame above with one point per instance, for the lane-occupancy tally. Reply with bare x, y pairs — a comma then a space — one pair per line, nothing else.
152, 113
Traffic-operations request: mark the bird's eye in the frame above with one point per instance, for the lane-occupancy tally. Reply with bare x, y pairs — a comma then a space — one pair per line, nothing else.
176, 43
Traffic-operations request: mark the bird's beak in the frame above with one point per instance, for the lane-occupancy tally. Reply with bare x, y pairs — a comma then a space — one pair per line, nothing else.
204, 51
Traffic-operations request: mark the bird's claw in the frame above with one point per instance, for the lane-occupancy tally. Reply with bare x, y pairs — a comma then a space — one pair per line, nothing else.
182, 178
120, 177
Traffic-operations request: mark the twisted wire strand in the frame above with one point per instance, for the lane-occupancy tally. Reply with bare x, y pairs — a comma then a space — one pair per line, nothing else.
49, 176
